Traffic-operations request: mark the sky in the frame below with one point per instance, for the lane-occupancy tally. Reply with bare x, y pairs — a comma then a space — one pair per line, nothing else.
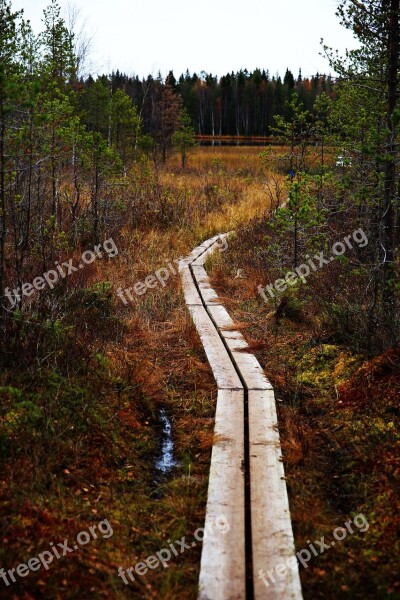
142, 37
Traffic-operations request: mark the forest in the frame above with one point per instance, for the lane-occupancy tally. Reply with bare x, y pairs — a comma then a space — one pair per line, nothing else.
103, 183
242, 103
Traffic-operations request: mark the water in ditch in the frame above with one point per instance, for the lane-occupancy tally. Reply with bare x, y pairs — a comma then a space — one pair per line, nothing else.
165, 461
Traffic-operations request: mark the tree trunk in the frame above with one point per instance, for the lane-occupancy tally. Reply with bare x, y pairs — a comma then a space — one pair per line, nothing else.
388, 217
3, 222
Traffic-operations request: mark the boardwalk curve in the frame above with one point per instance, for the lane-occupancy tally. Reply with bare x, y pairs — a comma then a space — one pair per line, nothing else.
247, 480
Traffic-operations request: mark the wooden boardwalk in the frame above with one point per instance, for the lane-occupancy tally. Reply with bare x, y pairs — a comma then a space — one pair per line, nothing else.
247, 480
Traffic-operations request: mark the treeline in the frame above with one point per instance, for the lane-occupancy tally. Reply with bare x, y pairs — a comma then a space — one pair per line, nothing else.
242, 103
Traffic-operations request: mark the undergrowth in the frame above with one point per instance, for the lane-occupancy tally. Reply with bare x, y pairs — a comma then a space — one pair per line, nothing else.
83, 378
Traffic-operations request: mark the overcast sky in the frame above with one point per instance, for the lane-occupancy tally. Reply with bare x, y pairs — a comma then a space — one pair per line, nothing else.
216, 36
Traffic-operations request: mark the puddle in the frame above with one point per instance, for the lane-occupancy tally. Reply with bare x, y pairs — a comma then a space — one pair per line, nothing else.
166, 462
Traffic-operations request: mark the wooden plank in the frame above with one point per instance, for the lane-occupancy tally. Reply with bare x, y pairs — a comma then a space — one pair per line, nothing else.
223, 563
215, 244
248, 365
199, 250
208, 294
272, 534
217, 355
190, 291
201, 259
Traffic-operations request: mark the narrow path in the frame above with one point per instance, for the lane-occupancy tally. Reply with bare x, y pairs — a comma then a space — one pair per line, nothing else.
247, 479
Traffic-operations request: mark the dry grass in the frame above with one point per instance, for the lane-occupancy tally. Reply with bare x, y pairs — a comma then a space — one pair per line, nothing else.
132, 359
168, 359
234, 159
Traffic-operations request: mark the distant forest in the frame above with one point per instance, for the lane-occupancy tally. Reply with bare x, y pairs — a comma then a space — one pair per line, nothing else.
242, 103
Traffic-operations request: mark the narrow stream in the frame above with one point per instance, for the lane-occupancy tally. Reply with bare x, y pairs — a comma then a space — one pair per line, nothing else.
166, 462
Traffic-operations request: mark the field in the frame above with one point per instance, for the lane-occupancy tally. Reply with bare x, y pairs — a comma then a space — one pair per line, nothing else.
85, 454
116, 366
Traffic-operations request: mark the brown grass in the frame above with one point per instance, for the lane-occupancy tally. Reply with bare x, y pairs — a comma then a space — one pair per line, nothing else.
133, 359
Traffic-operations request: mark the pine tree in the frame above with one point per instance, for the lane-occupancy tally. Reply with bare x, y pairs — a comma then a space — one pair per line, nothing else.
166, 112
11, 93
375, 67
125, 124
60, 63
184, 138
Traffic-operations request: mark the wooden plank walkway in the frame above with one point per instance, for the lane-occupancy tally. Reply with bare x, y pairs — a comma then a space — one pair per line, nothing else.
247, 479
